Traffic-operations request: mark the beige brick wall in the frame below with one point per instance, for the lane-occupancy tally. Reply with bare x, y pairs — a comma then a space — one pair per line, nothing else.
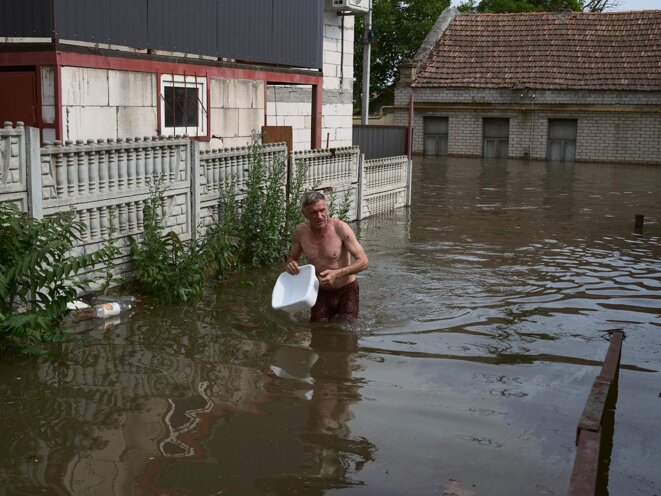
611, 126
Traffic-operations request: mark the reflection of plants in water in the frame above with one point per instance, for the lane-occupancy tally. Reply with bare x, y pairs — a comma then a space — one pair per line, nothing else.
66, 422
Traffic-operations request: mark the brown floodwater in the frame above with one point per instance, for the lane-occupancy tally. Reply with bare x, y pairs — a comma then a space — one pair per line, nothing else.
484, 320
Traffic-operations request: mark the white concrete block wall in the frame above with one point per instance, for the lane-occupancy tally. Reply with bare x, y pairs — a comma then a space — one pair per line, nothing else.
236, 111
100, 103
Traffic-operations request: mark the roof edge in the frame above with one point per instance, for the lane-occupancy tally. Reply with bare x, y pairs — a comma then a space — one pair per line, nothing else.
435, 33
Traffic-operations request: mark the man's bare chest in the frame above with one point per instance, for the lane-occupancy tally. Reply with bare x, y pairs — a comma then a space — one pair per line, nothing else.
327, 247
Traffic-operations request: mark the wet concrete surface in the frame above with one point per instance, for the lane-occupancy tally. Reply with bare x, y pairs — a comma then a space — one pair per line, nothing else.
484, 320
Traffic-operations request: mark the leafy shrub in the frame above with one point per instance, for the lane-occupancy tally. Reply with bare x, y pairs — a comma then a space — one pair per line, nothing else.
37, 274
257, 230
340, 211
111, 252
164, 265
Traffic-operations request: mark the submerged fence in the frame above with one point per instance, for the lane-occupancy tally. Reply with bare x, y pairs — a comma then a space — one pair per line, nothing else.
106, 182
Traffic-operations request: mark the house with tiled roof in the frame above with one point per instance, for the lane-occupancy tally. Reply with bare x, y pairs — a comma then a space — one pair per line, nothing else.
568, 86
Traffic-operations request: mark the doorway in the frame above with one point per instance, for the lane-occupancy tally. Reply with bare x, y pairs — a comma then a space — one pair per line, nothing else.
562, 140
496, 133
18, 97
436, 136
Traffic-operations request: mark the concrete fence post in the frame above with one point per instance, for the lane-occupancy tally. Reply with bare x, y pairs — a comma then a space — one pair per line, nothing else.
409, 182
33, 171
194, 178
360, 186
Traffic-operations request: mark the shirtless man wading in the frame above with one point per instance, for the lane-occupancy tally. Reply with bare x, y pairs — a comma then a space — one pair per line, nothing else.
330, 245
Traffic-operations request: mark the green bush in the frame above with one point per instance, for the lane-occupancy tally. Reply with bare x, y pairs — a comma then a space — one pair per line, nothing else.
257, 230
38, 274
340, 211
111, 252
164, 265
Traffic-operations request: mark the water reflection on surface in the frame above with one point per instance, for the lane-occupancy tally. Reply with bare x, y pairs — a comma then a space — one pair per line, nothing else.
485, 317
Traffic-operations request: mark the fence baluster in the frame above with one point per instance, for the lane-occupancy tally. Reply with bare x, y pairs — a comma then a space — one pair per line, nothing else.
83, 171
103, 166
149, 161
72, 170
92, 167
123, 217
157, 158
140, 214
93, 215
60, 170
132, 217
140, 171
174, 165
131, 168
122, 166
103, 221
112, 166
83, 216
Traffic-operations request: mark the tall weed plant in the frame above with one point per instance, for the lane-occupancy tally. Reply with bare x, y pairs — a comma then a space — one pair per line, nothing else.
111, 252
262, 222
339, 210
164, 265
38, 274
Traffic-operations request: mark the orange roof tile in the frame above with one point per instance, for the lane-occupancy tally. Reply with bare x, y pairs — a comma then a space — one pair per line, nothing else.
577, 50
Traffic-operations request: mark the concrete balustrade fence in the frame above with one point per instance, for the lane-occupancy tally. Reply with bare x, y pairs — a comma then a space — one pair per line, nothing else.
107, 182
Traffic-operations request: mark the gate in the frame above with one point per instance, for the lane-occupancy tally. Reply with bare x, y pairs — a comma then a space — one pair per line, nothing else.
381, 141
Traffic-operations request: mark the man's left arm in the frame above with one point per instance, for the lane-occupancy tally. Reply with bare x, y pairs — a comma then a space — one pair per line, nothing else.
353, 246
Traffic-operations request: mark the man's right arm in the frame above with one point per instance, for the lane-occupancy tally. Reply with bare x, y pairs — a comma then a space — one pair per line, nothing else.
294, 254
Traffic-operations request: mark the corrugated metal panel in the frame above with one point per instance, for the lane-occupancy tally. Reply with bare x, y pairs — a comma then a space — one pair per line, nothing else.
188, 26
283, 32
245, 29
380, 141
120, 22
25, 18
296, 24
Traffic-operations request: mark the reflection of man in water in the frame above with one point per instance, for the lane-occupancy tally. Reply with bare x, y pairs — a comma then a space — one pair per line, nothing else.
333, 392
330, 454
329, 244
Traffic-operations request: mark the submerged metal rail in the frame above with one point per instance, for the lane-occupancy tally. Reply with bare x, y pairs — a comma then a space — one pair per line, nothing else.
594, 435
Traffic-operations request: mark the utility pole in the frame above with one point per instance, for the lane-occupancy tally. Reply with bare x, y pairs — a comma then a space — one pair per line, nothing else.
367, 50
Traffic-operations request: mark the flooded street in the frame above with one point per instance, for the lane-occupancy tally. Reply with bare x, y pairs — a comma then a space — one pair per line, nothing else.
485, 316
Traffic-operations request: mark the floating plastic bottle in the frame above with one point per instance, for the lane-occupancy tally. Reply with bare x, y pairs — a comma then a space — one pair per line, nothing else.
112, 308
131, 300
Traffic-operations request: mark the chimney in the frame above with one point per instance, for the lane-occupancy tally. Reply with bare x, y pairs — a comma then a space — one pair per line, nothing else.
407, 73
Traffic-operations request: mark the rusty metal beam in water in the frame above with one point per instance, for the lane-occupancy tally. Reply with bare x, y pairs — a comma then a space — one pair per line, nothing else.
595, 428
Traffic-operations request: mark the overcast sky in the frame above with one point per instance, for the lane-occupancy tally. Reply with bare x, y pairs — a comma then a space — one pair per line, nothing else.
622, 4
638, 5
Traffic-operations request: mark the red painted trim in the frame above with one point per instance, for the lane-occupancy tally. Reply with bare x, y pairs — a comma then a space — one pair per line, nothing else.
38, 98
27, 58
139, 65
317, 112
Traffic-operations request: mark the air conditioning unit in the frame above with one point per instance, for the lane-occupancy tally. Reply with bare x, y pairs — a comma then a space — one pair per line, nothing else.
354, 6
